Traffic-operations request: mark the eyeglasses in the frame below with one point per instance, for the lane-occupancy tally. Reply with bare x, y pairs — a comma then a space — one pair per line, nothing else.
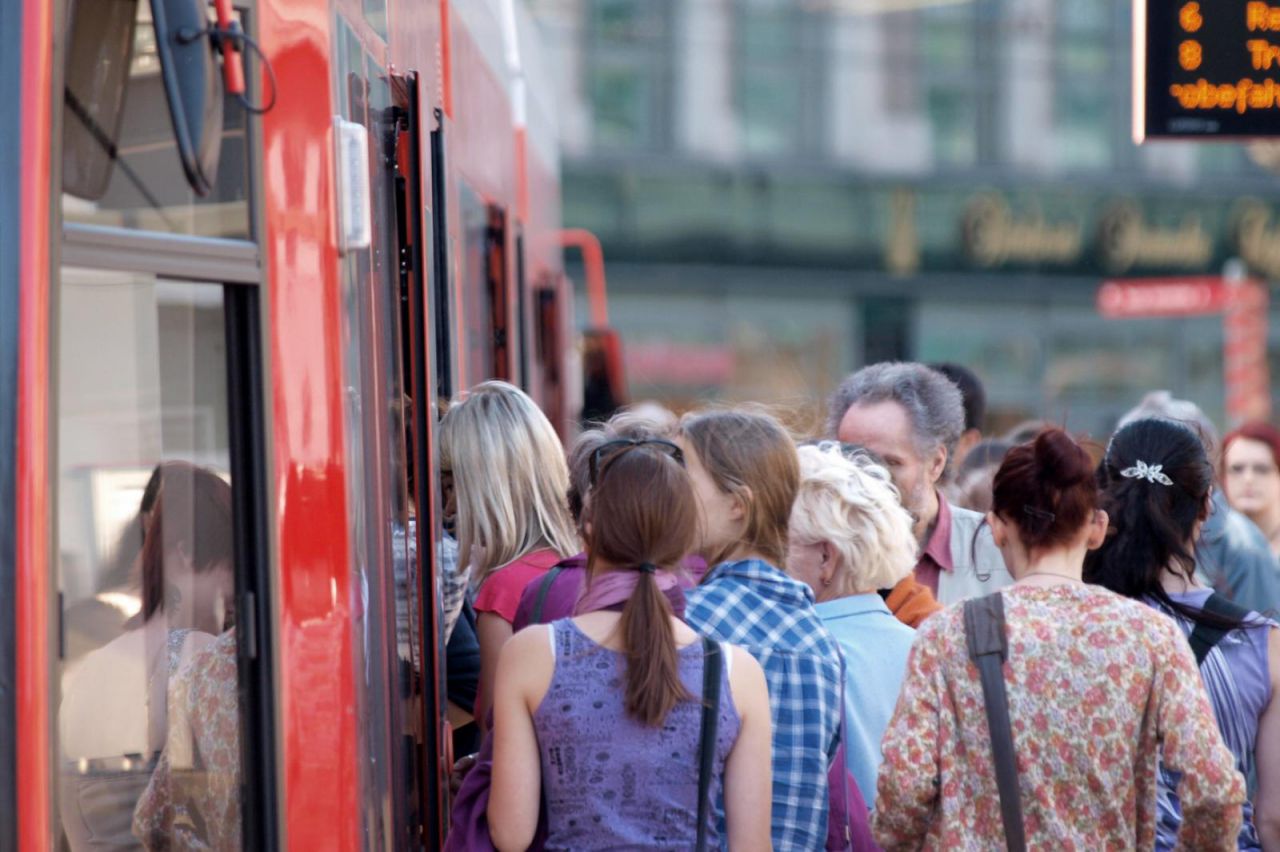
610, 450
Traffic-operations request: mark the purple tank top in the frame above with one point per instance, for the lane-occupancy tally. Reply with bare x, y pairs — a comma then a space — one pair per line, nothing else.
610, 782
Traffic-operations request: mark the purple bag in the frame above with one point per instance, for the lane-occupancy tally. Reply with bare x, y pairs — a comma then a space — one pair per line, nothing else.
848, 826
469, 816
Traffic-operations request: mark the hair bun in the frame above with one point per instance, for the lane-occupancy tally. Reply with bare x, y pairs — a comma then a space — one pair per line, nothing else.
1060, 461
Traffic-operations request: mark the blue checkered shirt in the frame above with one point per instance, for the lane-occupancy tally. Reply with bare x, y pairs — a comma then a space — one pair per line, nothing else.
754, 605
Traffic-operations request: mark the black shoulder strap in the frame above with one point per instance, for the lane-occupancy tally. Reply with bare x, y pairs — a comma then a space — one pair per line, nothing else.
711, 667
548, 579
984, 632
1204, 637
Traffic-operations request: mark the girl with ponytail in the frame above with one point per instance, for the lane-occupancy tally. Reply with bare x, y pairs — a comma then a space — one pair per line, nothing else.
1156, 479
600, 714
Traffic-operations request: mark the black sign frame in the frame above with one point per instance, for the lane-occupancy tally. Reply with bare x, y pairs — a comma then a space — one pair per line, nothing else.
1194, 75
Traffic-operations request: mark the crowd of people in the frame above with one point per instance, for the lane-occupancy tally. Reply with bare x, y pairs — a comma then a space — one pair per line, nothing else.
707, 632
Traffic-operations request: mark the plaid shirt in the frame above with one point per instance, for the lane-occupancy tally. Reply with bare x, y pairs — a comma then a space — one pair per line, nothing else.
754, 605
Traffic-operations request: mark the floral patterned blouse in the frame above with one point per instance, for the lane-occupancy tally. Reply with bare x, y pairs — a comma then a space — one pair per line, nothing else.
193, 799
1098, 685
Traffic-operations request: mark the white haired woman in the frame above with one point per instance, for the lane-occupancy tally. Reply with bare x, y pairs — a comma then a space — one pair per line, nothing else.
849, 536
509, 480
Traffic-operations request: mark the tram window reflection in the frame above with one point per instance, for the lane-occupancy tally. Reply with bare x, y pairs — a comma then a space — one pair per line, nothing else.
147, 188
148, 720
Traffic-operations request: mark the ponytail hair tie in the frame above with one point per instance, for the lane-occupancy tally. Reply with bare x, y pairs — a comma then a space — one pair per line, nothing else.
647, 568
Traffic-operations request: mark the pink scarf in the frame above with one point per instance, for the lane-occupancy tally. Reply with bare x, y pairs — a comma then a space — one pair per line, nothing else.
616, 587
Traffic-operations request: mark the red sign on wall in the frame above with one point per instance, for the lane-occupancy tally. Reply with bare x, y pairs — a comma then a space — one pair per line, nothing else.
1243, 306
1163, 297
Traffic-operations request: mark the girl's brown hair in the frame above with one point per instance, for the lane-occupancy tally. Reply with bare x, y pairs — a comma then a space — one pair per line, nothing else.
749, 455
642, 514
191, 512
1046, 488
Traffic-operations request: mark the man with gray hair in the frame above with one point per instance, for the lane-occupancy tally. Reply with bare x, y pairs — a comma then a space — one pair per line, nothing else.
911, 417
1231, 553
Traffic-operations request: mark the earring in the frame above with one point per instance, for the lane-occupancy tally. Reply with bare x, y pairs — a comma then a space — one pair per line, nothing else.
826, 581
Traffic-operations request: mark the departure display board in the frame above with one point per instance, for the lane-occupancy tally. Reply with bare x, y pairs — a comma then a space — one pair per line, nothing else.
1206, 68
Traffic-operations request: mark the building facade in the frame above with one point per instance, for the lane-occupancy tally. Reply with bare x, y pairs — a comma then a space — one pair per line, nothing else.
788, 189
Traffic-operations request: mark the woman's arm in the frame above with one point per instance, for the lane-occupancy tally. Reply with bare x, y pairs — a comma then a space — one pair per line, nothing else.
492, 632
1266, 814
523, 675
907, 790
1211, 791
748, 784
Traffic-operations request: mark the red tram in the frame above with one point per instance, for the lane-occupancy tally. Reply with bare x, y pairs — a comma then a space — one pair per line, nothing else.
276, 285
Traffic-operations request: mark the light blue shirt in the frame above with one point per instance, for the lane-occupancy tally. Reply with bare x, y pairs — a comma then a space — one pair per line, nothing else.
875, 646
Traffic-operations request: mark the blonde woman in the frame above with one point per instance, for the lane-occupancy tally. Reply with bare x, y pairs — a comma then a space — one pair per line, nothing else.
510, 480
849, 536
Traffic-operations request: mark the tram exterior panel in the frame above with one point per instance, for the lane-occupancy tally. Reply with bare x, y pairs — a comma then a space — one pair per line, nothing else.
342, 732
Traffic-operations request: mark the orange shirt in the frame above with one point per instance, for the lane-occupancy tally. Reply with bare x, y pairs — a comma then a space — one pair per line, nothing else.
912, 602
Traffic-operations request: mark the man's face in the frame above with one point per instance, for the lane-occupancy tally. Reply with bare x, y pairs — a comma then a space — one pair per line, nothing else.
885, 429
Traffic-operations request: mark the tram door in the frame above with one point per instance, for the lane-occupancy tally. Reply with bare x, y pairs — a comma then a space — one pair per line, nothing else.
389, 414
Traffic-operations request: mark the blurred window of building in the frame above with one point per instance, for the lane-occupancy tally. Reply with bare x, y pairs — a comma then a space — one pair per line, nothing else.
629, 58
777, 76
1086, 100
947, 53
900, 49
1224, 159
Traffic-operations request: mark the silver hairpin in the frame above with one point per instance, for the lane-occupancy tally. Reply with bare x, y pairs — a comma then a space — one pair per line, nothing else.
1151, 473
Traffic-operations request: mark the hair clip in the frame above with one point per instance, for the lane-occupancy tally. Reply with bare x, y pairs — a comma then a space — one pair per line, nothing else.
1151, 473
647, 568
1039, 514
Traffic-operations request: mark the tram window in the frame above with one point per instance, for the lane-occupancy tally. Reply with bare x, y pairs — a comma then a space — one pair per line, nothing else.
485, 288
146, 188
149, 716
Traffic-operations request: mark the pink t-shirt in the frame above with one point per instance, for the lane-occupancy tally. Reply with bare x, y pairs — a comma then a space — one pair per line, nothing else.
500, 592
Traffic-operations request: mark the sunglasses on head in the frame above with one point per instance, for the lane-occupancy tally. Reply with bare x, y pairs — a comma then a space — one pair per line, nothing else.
610, 450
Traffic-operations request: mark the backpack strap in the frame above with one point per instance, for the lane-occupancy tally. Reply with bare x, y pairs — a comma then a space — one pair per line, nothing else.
1205, 637
712, 663
548, 579
984, 631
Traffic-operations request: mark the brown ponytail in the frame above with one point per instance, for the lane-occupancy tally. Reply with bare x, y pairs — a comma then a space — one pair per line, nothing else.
642, 518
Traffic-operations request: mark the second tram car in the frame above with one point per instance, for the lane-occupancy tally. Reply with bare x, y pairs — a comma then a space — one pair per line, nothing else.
255, 243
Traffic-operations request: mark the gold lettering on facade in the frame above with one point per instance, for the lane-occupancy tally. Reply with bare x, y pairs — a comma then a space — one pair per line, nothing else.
1126, 240
1257, 237
993, 235
902, 251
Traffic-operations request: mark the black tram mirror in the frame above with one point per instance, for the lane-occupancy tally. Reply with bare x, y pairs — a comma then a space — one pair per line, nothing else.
99, 55
192, 86
604, 385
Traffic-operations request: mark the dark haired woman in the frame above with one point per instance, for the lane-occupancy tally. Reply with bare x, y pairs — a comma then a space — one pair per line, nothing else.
114, 718
1097, 686
1155, 479
601, 713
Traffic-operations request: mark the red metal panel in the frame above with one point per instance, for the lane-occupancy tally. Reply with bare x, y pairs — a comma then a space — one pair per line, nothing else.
446, 60
482, 144
35, 751
316, 689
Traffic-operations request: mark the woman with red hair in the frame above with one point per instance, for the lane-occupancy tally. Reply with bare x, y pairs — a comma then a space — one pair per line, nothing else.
1251, 476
